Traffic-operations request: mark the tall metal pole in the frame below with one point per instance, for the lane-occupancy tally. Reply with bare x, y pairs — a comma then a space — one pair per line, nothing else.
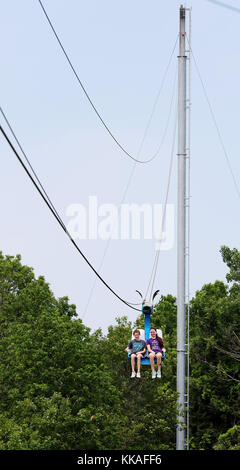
181, 235
188, 179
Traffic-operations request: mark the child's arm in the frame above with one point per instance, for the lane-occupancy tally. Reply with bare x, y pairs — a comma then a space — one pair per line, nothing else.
129, 347
149, 348
141, 352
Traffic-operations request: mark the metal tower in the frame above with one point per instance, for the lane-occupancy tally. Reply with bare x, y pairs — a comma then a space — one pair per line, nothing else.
181, 231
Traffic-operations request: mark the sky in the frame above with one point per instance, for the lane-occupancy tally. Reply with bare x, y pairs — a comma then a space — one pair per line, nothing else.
120, 50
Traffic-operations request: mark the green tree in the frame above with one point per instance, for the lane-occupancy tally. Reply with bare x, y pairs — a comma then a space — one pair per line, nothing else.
148, 408
230, 440
232, 260
63, 387
215, 370
52, 378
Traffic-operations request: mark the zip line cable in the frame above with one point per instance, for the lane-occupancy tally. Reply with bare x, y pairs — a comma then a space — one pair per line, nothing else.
59, 221
129, 180
131, 176
107, 247
87, 95
27, 160
215, 122
155, 105
167, 188
156, 259
170, 169
224, 5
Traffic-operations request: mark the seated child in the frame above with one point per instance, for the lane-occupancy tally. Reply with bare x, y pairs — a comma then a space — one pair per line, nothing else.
155, 348
136, 347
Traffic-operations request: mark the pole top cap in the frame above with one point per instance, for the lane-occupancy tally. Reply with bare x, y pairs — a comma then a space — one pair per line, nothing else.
146, 308
182, 11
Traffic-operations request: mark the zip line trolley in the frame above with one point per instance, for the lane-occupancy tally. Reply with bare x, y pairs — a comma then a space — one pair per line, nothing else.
147, 310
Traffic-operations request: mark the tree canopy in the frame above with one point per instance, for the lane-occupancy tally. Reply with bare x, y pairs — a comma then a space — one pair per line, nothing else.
63, 386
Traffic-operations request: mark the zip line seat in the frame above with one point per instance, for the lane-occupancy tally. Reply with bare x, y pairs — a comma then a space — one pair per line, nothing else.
145, 361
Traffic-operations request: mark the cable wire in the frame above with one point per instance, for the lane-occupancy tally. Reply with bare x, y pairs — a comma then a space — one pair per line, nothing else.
131, 176
224, 5
87, 95
215, 122
156, 259
56, 217
32, 169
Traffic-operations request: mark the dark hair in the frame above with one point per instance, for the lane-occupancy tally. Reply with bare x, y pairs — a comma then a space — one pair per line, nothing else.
136, 331
158, 337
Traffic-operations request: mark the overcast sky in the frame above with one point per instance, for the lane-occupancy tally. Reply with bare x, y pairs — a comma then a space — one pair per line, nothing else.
120, 50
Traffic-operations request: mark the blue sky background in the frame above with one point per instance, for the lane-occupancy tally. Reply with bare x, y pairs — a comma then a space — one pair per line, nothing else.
120, 50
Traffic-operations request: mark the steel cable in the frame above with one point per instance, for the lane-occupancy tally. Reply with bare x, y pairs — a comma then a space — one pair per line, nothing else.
59, 221
87, 95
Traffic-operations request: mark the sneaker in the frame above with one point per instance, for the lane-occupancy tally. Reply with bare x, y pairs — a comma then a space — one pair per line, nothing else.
133, 375
138, 375
159, 374
154, 374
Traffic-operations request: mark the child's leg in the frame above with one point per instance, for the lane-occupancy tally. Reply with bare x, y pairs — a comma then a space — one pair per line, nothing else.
133, 362
139, 362
159, 360
151, 357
